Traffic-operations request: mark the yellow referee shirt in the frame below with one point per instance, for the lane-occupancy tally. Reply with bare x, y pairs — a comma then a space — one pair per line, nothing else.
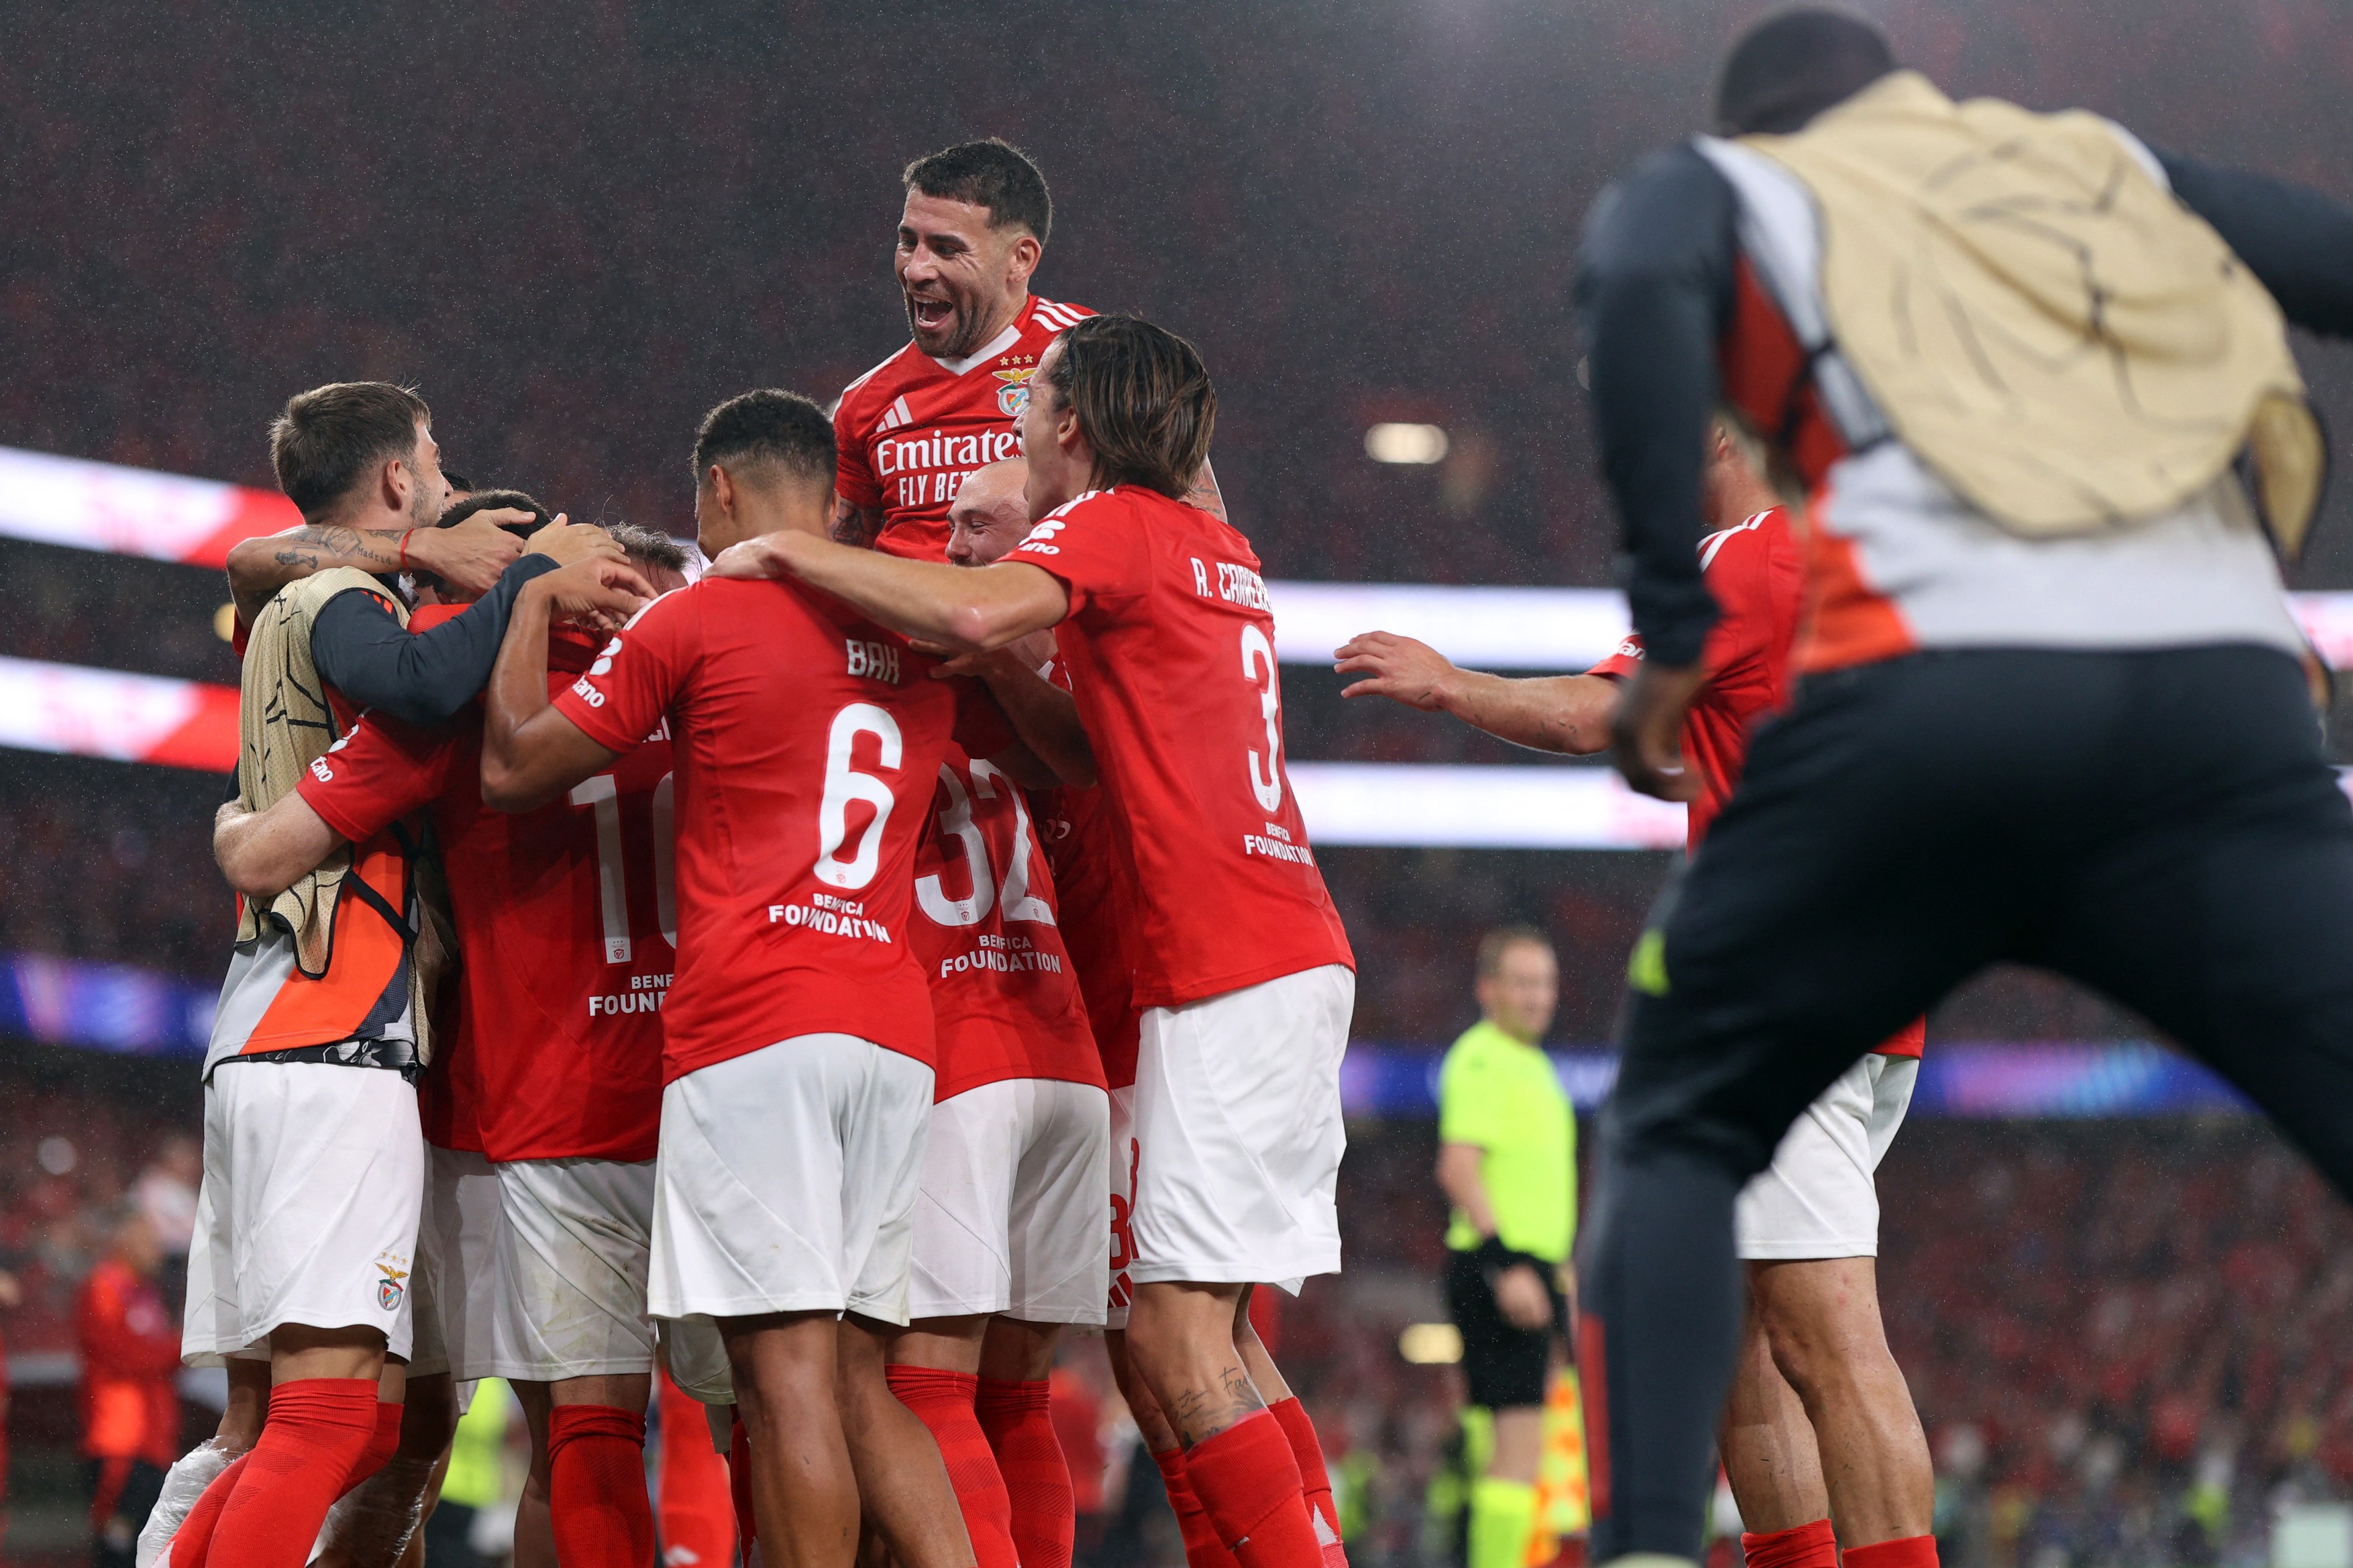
1504, 1098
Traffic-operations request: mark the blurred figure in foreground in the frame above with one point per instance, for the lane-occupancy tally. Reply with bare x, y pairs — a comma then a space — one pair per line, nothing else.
129, 1407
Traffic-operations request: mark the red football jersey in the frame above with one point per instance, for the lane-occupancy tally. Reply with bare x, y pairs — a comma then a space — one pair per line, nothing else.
1756, 572
807, 741
1074, 827
565, 922
1170, 644
913, 428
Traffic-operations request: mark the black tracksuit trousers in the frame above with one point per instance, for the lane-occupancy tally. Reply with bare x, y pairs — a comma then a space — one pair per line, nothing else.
2162, 827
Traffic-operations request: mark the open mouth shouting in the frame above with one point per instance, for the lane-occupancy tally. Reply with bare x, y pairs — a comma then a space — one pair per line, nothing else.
934, 318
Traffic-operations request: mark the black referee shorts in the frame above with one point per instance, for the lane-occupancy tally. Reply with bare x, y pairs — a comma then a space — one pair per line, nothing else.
1506, 1366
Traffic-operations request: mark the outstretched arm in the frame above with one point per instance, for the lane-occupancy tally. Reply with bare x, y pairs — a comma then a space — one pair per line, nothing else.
971, 609
263, 853
1566, 713
530, 752
468, 556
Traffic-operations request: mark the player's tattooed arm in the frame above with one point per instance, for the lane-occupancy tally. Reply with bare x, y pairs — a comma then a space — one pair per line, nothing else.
468, 556
1206, 495
854, 524
1565, 713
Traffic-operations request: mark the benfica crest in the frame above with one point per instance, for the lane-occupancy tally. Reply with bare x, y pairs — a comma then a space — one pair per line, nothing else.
1013, 396
389, 1290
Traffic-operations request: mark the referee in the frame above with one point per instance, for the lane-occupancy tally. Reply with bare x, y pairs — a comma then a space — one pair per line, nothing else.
2033, 375
1507, 1164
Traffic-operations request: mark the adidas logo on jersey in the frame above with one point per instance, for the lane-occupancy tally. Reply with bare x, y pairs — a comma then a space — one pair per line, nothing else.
874, 660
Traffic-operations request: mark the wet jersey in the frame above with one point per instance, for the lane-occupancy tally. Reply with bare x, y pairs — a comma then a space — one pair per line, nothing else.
911, 430
565, 922
1170, 644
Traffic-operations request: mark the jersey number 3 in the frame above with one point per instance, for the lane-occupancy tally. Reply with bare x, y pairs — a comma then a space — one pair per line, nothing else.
1265, 774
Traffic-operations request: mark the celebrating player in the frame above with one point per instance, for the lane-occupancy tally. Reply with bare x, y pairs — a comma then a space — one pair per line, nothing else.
1012, 1239
1844, 1445
1243, 972
563, 918
799, 1036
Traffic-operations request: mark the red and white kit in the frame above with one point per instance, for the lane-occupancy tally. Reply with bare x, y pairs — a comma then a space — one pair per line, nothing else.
1818, 1199
798, 1041
565, 918
1010, 1217
912, 430
1241, 971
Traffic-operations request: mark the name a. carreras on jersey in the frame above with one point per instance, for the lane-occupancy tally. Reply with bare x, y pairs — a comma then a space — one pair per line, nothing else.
874, 660
1003, 954
1237, 584
1276, 845
832, 916
646, 993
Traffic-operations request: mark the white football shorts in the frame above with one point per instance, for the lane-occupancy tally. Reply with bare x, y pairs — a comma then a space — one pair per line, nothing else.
1009, 1216
314, 1174
456, 1262
786, 1182
1818, 1198
1238, 1133
573, 1252
1125, 1157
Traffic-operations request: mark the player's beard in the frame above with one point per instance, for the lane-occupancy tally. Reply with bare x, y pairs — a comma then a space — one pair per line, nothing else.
425, 506
961, 341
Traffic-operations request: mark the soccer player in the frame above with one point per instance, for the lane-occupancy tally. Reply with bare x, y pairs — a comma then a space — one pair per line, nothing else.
561, 917
305, 1243
797, 1038
1820, 1430
1507, 1165
2052, 708
1243, 972
1011, 1237
911, 430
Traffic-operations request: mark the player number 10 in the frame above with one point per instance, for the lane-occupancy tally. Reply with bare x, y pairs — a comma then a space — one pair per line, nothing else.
598, 791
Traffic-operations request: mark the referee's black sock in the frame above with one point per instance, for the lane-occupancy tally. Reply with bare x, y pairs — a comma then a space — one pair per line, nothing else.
1661, 1296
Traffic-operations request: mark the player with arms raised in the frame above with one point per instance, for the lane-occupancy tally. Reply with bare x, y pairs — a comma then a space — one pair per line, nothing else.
1243, 972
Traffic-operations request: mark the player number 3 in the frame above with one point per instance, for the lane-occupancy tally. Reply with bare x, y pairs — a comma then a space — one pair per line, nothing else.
1266, 777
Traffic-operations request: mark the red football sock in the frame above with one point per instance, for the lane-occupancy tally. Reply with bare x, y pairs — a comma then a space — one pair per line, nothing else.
1202, 1547
382, 1443
596, 1487
1314, 1481
942, 1401
691, 1508
1248, 1481
1911, 1551
194, 1540
1806, 1546
1019, 1420
739, 1489
315, 1433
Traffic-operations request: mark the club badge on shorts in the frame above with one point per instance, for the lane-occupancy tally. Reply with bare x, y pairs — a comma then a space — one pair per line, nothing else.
389, 1290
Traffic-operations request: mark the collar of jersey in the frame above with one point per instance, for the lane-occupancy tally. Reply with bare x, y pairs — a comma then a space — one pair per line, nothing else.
989, 350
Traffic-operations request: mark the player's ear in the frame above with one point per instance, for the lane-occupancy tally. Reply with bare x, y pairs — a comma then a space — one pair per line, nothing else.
1026, 253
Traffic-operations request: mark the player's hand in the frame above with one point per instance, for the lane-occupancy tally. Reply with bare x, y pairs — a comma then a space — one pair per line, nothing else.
1521, 1297
597, 592
1647, 733
768, 555
1411, 673
468, 555
569, 543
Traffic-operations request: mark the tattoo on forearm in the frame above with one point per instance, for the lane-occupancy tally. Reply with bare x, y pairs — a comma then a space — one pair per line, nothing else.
854, 525
376, 546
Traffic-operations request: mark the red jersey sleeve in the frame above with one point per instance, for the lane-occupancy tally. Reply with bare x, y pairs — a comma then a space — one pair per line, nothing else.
981, 727
620, 699
854, 478
377, 773
1093, 547
1737, 567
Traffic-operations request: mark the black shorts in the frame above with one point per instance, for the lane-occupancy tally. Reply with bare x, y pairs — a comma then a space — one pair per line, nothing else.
1506, 1366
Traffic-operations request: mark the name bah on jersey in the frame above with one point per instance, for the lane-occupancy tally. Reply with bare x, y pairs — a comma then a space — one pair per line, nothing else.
646, 993
834, 917
874, 660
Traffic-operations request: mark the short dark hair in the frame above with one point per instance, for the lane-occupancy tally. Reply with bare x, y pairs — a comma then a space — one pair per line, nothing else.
767, 429
327, 438
1793, 64
1143, 402
995, 175
1500, 941
458, 482
498, 500
650, 545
